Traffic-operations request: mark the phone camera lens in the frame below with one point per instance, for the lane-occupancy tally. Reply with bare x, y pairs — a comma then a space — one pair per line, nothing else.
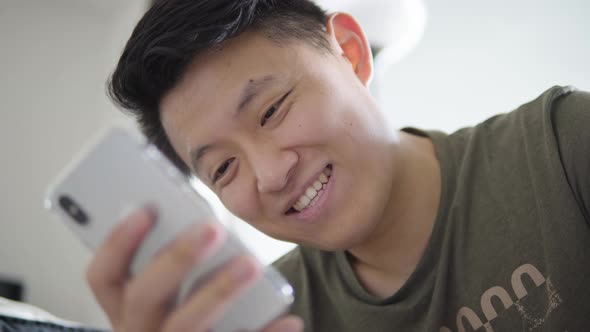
73, 210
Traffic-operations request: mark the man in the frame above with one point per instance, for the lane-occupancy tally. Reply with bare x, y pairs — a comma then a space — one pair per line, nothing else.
267, 103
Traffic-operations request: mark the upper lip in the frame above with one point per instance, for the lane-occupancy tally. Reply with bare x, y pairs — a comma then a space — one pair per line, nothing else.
302, 189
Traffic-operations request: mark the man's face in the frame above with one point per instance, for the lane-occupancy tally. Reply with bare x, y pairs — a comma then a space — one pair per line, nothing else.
260, 123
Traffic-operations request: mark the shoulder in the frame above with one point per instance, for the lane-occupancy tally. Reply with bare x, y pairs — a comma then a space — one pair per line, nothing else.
553, 133
537, 121
534, 114
554, 123
569, 117
560, 114
571, 113
557, 105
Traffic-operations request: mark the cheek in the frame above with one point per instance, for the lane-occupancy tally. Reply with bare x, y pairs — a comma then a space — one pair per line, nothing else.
240, 199
314, 118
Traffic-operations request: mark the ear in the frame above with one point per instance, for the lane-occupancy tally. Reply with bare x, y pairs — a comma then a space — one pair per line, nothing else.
348, 39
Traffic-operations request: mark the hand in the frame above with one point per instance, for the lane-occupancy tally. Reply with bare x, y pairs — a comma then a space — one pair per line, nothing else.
142, 303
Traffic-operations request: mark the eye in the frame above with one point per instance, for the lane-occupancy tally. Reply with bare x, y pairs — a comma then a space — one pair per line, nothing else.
273, 109
269, 113
220, 172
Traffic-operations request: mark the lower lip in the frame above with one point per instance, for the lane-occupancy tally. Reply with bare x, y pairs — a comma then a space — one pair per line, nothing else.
313, 211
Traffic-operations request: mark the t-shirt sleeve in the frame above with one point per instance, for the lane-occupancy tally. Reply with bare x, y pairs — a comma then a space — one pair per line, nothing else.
571, 119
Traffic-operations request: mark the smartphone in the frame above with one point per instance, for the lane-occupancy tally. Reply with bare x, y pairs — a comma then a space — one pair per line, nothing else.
120, 172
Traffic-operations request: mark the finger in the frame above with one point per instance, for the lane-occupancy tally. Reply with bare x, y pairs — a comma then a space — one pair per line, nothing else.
148, 295
108, 270
209, 302
285, 324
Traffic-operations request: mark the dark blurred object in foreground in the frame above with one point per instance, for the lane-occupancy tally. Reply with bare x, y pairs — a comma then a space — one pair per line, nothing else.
11, 289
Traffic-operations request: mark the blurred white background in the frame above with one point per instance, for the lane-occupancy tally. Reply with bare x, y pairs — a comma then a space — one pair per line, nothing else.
474, 59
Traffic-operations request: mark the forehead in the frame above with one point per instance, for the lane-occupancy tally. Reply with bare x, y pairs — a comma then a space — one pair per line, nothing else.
221, 71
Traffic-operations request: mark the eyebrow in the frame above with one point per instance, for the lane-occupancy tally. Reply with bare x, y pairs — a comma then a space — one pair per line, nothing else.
250, 91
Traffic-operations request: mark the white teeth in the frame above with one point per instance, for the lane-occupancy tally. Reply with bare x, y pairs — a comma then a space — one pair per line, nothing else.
304, 200
298, 206
312, 191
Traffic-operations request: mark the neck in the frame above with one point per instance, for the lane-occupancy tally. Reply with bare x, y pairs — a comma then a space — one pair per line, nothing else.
385, 260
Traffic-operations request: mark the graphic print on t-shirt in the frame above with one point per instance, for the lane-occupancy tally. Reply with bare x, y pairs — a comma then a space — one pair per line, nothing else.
531, 295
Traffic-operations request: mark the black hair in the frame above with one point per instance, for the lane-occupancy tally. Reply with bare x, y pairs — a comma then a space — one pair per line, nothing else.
173, 32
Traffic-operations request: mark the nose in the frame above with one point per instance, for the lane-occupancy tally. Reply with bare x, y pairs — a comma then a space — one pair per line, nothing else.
273, 167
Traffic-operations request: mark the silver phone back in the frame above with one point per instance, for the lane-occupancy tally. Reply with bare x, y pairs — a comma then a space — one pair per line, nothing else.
120, 173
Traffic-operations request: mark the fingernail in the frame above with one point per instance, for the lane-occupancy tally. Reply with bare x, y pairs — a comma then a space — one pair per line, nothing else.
199, 235
138, 220
207, 233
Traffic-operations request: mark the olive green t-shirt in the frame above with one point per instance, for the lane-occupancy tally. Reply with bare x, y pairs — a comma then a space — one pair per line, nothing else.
510, 248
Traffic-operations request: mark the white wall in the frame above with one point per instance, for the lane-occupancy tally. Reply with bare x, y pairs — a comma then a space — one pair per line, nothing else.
479, 58
54, 59
476, 59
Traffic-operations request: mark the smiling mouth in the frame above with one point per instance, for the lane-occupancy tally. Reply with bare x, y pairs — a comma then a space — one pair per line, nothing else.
312, 193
